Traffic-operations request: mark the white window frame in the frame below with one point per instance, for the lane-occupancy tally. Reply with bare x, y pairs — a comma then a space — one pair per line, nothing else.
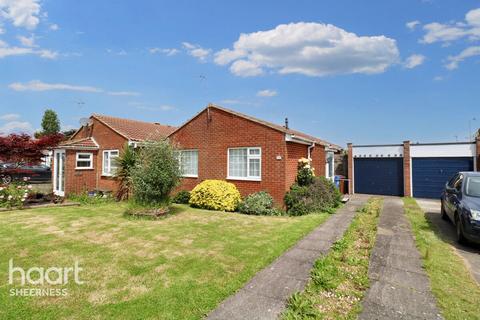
180, 164
90, 155
104, 173
248, 177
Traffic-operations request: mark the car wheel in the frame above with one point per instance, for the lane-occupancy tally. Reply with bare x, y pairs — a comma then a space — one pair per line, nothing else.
460, 237
6, 179
443, 212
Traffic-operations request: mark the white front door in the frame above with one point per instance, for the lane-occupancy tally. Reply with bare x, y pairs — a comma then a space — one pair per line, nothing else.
59, 172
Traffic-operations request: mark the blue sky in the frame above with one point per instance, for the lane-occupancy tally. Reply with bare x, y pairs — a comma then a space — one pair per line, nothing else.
345, 71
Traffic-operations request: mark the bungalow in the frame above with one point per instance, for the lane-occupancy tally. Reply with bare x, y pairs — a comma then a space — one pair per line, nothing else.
217, 143
255, 155
85, 161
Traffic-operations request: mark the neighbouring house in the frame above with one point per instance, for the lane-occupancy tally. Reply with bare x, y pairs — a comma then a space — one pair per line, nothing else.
255, 155
85, 162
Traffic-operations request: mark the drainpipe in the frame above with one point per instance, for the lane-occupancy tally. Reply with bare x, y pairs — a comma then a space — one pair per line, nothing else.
309, 150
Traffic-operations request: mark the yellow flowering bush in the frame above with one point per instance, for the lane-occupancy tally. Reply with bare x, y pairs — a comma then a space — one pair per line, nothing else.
215, 195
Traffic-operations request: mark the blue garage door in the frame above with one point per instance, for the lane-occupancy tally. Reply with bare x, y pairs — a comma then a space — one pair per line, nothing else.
429, 175
379, 176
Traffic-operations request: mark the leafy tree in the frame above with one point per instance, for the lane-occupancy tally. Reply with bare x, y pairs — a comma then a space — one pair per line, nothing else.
50, 123
155, 174
18, 148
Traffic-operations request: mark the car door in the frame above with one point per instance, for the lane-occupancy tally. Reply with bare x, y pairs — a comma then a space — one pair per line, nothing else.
448, 199
456, 196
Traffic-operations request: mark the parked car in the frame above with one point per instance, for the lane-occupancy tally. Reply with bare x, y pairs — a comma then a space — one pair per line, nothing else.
33, 172
461, 205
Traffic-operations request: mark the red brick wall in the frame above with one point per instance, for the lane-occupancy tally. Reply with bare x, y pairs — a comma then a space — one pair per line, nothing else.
78, 181
350, 168
295, 151
213, 132
407, 188
318, 160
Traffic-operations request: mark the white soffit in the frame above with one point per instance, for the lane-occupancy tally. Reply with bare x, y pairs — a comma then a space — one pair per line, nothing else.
387, 151
442, 150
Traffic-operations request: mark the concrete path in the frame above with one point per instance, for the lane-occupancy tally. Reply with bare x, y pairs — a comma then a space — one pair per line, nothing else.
470, 253
265, 295
400, 288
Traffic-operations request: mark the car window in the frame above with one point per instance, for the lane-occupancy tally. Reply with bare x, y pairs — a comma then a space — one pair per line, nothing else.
472, 187
451, 182
458, 183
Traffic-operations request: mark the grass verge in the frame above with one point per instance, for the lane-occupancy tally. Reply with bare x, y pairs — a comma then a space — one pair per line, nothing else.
340, 279
456, 291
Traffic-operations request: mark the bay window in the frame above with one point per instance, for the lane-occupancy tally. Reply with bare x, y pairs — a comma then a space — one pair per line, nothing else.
245, 163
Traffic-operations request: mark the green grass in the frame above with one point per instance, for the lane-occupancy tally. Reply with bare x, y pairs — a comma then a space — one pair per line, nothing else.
457, 293
179, 267
340, 279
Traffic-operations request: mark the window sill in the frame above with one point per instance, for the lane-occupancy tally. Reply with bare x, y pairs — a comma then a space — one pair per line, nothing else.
244, 179
189, 176
83, 168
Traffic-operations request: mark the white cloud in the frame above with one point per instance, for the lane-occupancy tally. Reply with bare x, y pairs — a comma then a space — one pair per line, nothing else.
54, 27
16, 126
414, 61
311, 49
141, 106
36, 85
197, 51
445, 32
267, 93
453, 61
6, 51
123, 93
22, 13
39, 86
10, 117
412, 24
27, 41
438, 78
166, 51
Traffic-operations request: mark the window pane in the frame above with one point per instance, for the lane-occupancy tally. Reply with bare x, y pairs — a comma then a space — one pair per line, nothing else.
254, 170
83, 164
83, 156
238, 162
113, 161
189, 162
254, 152
105, 162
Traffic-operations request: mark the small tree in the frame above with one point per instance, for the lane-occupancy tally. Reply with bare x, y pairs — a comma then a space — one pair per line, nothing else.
18, 148
125, 164
155, 174
50, 123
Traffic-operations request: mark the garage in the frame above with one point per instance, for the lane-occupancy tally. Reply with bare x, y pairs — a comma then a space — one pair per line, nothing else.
429, 175
383, 176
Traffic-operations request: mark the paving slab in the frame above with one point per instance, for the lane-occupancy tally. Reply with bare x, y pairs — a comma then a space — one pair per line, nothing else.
400, 288
265, 295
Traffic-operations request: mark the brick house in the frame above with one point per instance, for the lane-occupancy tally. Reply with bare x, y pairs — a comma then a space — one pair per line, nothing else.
85, 161
255, 155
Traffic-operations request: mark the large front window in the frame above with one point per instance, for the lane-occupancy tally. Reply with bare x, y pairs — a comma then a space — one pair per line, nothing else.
188, 160
245, 163
109, 162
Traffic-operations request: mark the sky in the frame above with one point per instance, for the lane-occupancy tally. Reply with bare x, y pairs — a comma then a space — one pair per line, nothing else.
367, 72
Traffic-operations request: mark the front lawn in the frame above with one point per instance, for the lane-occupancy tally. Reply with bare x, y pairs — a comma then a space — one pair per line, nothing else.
179, 267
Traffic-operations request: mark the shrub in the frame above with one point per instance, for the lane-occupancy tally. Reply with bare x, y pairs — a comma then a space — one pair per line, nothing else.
14, 195
125, 164
92, 198
215, 195
182, 197
259, 203
321, 195
305, 173
155, 174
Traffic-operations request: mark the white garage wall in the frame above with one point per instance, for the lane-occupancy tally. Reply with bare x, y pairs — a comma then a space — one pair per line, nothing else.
442, 150
385, 151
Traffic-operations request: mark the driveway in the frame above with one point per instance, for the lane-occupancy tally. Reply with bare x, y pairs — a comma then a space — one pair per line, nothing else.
446, 230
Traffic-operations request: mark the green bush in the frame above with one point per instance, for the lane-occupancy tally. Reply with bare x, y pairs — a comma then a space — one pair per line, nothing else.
320, 195
182, 197
14, 195
155, 174
259, 203
305, 172
94, 198
125, 164
215, 195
